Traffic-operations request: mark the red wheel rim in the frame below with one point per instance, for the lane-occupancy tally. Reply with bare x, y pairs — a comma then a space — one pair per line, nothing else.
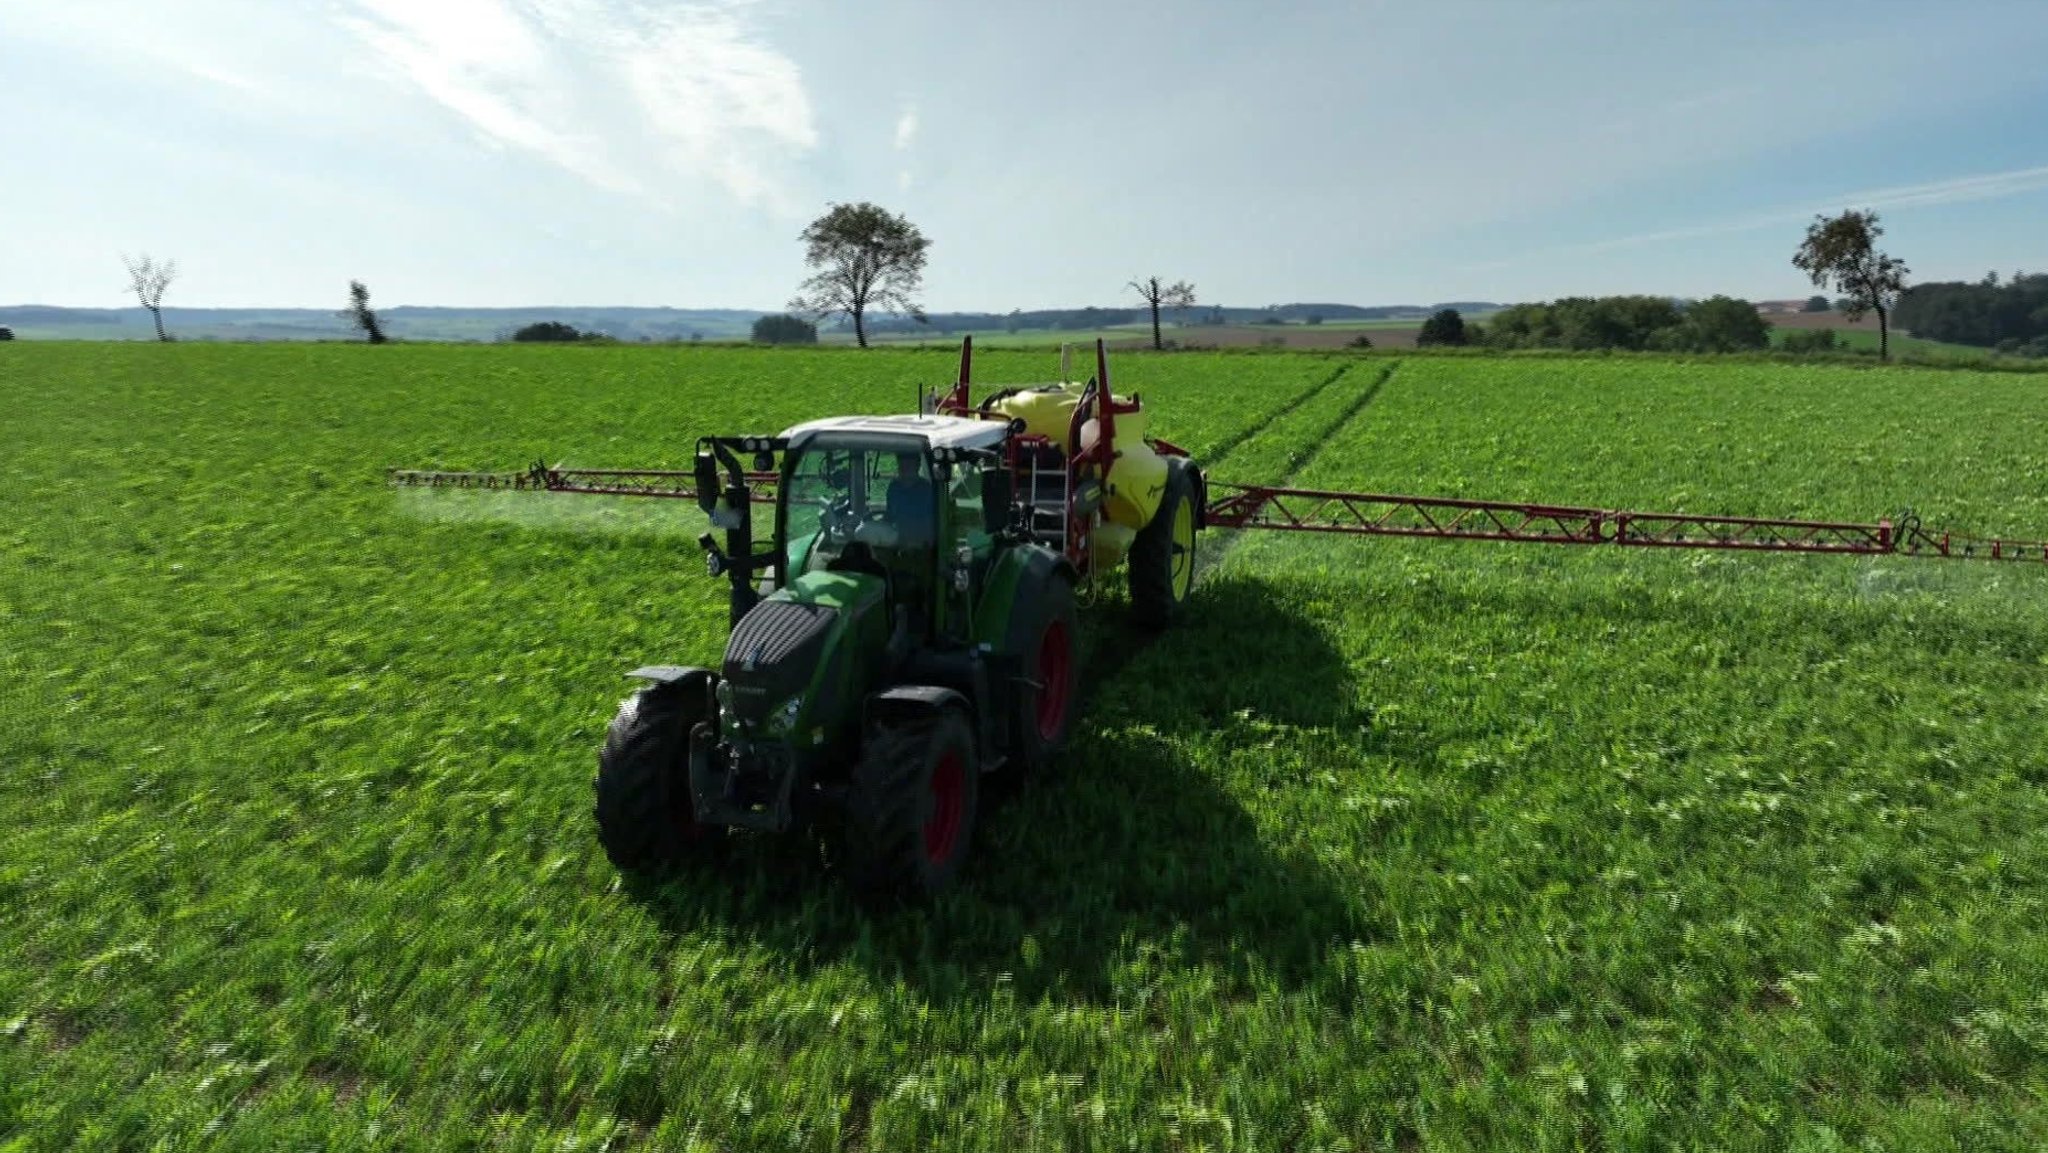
1055, 675
949, 797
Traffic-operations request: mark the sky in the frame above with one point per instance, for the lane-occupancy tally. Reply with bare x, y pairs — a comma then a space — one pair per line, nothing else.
626, 152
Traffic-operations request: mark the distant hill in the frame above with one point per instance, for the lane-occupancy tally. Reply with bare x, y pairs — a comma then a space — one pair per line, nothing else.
412, 322
407, 322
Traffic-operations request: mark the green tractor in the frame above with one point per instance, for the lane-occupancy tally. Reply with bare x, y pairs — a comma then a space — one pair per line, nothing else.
907, 628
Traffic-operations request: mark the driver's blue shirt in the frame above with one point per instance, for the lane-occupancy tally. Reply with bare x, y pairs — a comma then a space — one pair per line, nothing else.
910, 507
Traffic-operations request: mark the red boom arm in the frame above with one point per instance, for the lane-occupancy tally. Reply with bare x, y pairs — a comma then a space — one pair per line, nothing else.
1378, 514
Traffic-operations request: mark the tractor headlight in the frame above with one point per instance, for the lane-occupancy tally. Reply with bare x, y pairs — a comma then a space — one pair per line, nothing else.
784, 719
724, 695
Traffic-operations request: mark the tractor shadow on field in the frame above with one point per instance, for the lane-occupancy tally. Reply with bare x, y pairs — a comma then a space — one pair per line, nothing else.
1127, 859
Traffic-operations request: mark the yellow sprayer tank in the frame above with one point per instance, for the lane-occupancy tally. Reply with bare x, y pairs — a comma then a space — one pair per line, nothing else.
1047, 411
1108, 544
1137, 477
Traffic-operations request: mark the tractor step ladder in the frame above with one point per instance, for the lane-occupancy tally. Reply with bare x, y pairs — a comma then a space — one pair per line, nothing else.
1045, 495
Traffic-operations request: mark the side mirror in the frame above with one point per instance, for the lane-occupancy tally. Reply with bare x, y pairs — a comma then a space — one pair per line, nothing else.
706, 478
998, 495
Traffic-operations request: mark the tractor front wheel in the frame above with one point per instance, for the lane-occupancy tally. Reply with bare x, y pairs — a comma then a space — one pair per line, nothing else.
1162, 557
645, 817
911, 806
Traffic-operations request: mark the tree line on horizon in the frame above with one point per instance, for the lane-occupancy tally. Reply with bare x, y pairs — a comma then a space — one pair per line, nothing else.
2009, 317
867, 259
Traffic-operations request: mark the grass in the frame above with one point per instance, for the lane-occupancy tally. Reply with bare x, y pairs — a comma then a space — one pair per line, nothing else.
1395, 844
1865, 340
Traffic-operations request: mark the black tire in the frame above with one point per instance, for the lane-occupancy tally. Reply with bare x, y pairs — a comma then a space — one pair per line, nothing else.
1157, 592
1042, 727
911, 805
645, 818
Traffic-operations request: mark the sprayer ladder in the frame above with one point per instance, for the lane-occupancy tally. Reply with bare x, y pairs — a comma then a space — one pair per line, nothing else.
1045, 495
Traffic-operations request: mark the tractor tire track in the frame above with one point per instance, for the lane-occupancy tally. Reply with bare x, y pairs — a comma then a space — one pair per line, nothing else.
1307, 449
1301, 458
1249, 431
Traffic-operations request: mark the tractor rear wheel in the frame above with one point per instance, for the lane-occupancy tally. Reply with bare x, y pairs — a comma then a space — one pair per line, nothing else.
1162, 558
911, 806
645, 817
1049, 644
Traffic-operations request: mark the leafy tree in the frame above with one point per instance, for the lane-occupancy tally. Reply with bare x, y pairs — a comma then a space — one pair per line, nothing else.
865, 258
1812, 340
358, 313
1842, 250
148, 280
1579, 322
785, 329
548, 331
1360, 341
1817, 303
1986, 314
1444, 328
1718, 324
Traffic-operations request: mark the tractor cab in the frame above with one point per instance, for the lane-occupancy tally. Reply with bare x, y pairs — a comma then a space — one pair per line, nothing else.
900, 498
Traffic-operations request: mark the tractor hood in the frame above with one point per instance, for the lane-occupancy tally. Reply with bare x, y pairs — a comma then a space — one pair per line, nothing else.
788, 643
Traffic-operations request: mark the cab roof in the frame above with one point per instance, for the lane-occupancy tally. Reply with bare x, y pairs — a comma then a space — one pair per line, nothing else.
935, 431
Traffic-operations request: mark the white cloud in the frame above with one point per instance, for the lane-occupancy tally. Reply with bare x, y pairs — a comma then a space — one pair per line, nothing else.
733, 107
1990, 186
142, 32
631, 96
906, 139
1955, 190
226, 78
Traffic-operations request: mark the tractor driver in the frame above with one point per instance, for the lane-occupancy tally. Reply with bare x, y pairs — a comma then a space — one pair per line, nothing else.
910, 500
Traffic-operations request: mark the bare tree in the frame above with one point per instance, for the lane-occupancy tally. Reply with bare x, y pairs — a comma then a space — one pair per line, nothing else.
865, 257
1177, 295
358, 312
1843, 249
149, 279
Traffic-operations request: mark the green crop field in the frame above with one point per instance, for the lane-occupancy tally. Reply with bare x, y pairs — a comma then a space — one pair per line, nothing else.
1402, 845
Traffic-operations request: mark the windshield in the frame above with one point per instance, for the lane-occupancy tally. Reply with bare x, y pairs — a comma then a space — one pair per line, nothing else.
873, 491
